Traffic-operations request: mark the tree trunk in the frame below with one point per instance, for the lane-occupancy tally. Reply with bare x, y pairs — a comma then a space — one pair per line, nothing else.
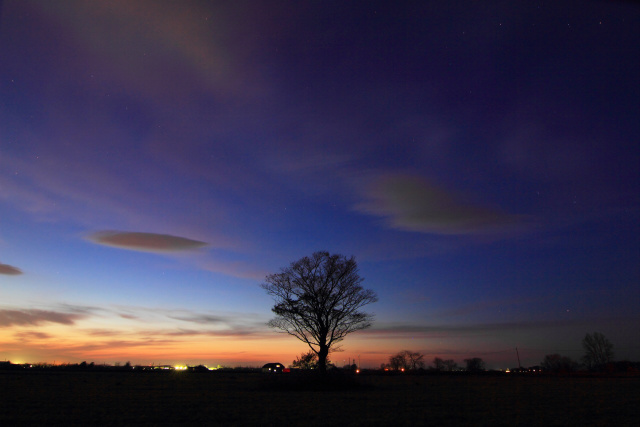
322, 359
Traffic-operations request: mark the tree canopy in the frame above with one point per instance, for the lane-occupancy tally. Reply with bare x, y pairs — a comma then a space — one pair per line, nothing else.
306, 361
474, 364
598, 350
444, 365
318, 299
406, 360
556, 363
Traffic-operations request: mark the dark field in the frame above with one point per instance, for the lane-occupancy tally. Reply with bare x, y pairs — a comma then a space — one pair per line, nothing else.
68, 398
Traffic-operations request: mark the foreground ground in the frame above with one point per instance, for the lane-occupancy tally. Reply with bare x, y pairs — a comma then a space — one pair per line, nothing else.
122, 398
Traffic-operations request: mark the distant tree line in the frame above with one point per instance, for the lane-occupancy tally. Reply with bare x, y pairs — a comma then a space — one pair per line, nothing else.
408, 360
441, 365
598, 356
598, 353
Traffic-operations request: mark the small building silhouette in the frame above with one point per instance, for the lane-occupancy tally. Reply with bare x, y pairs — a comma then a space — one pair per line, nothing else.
273, 368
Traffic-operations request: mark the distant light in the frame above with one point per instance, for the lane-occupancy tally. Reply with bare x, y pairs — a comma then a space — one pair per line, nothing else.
357, 371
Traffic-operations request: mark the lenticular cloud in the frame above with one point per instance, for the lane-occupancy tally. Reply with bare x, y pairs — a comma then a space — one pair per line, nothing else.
148, 242
413, 204
9, 269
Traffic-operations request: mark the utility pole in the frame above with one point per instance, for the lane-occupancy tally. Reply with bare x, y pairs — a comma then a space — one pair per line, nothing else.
518, 354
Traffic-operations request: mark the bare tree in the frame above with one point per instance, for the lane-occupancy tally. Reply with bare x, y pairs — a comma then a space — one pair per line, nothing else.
397, 362
318, 300
406, 359
450, 365
474, 364
444, 365
438, 364
415, 360
598, 350
557, 363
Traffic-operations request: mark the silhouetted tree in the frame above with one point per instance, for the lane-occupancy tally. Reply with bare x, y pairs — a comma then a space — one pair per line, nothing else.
415, 360
397, 362
444, 365
598, 350
318, 300
557, 363
307, 360
450, 365
474, 364
406, 359
438, 364
353, 367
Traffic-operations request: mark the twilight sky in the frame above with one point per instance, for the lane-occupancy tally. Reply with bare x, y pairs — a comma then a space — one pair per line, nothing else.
157, 159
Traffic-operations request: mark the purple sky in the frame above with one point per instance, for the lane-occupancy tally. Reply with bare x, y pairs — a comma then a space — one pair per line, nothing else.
158, 159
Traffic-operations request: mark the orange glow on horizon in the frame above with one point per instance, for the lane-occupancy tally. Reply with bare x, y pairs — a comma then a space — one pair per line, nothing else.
119, 340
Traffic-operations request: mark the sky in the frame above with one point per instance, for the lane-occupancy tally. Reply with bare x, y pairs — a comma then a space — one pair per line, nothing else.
480, 160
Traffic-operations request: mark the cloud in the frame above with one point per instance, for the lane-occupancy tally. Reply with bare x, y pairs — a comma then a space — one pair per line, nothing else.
146, 242
200, 318
235, 332
37, 317
411, 203
116, 346
9, 270
103, 332
397, 330
30, 335
128, 316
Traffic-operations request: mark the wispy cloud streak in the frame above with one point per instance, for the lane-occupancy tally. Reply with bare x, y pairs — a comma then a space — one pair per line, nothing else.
403, 330
37, 317
200, 318
31, 335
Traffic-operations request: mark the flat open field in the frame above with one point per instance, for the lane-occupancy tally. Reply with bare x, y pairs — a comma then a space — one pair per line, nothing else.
68, 398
